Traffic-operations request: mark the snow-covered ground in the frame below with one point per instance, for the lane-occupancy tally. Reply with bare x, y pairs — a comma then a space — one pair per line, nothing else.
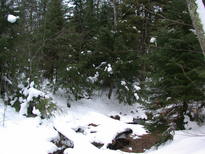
86, 121
185, 142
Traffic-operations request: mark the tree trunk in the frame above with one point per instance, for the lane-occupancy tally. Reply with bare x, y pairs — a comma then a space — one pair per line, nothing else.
115, 12
192, 7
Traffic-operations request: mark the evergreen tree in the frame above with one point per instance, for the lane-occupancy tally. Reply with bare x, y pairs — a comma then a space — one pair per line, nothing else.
176, 62
8, 35
79, 40
54, 22
122, 45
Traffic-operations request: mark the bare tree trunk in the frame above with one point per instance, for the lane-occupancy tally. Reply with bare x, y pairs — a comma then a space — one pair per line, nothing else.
114, 12
192, 7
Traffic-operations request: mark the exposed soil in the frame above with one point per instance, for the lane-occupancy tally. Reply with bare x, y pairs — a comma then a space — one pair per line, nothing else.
142, 143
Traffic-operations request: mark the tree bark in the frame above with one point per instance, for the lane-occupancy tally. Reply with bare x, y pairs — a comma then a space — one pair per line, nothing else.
115, 12
192, 7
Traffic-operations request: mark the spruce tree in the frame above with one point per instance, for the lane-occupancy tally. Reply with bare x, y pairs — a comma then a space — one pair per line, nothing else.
176, 63
8, 35
54, 21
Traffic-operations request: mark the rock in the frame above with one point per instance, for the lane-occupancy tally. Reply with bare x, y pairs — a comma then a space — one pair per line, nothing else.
98, 145
62, 142
93, 131
137, 121
79, 130
92, 124
68, 105
60, 151
124, 134
116, 117
121, 140
118, 144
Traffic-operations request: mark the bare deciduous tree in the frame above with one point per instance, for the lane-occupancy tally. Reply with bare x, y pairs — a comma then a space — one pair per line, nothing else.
192, 7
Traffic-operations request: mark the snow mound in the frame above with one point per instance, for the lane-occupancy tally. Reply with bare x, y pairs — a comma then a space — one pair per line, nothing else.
22, 135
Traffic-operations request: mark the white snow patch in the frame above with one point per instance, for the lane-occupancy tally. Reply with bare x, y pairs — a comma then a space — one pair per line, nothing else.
12, 19
153, 40
94, 78
157, 9
136, 96
108, 68
137, 88
30, 93
123, 83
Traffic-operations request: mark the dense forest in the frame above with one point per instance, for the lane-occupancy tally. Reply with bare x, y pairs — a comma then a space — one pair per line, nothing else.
141, 51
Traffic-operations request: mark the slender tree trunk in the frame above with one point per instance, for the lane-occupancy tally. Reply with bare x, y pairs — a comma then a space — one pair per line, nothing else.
115, 12
192, 7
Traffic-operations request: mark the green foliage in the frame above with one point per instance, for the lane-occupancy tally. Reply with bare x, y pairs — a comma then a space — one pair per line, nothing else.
46, 107
82, 50
176, 64
52, 28
8, 35
33, 101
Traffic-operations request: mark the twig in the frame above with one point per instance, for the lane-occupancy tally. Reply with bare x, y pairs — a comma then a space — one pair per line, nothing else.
182, 68
165, 18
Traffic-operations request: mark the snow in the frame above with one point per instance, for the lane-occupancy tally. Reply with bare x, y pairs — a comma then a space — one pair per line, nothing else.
108, 69
123, 83
21, 135
201, 12
7, 80
153, 40
94, 78
157, 9
68, 68
185, 142
136, 96
95, 111
33, 135
12, 19
137, 88
30, 93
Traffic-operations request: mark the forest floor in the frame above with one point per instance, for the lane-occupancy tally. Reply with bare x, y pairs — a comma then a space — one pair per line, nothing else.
92, 125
